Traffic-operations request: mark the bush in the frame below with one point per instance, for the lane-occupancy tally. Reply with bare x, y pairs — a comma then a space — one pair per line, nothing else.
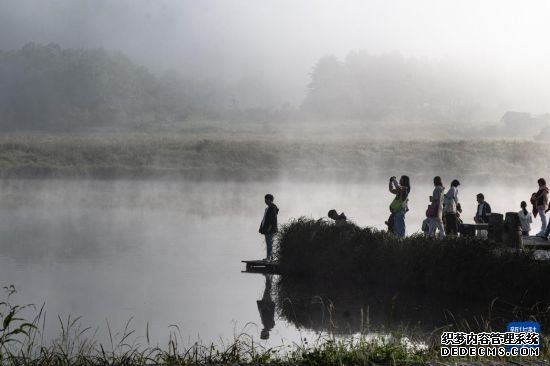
466, 267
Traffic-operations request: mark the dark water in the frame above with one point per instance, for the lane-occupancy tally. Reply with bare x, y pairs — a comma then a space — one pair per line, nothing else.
168, 253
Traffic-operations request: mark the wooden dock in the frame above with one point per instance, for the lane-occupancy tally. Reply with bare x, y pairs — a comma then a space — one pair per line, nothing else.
534, 242
261, 266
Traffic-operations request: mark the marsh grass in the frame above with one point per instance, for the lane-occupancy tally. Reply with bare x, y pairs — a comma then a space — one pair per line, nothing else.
216, 156
77, 345
467, 268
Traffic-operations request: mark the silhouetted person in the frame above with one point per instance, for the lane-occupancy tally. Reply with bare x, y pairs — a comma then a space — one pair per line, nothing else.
482, 214
268, 227
398, 207
436, 201
483, 210
525, 219
451, 206
339, 219
540, 201
266, 307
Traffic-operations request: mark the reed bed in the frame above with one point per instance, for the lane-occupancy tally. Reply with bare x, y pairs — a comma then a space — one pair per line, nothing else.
193, 156
22, 343
467, 268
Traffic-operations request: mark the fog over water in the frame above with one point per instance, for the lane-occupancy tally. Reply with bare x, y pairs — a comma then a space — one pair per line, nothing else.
168, 253
139, 137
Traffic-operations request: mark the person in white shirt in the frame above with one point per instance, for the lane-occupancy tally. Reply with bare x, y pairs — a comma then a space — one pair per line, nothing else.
436, 199
450, 207
525, 219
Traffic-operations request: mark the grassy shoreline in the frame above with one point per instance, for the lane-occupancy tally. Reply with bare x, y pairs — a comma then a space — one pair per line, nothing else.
465, 267
197, 158
22, 343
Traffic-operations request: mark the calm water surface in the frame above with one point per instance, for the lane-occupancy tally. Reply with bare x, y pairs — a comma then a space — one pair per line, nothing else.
168, 253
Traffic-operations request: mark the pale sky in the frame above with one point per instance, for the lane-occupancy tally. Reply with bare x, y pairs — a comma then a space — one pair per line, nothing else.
282, 39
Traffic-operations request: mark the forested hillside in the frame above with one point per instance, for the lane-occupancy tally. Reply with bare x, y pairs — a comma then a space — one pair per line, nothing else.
53, 89
392, 87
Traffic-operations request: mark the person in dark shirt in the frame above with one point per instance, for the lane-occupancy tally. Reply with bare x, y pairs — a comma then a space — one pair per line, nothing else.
483, 210
540, 200
268, 227
339, 219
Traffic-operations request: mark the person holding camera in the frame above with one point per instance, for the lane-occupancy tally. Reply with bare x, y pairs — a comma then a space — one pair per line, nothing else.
398, 207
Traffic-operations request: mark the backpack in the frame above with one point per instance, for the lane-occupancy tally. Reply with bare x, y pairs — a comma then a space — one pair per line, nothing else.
396, 205
433, 210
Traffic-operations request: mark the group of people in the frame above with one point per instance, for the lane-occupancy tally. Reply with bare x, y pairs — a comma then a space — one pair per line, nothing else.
443, 213
443, 216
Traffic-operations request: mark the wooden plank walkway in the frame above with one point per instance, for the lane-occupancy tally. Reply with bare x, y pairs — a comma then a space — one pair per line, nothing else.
534, 242
261, 266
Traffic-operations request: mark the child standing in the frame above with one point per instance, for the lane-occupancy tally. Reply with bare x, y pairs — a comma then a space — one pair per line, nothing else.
525, 219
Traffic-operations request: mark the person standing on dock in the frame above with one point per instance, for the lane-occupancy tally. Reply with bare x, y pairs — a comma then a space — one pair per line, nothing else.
482, 215
436, 199
268, 227
451, 208
483, 210
398, 207
541, 202
525, 219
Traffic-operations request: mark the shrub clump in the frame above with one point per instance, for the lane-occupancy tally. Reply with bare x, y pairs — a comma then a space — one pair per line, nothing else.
467, 267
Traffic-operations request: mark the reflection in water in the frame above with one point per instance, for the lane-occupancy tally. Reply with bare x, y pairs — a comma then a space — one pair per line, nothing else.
143, 249
347, 308
266, 307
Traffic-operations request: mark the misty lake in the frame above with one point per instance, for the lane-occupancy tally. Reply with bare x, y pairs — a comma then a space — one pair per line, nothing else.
167, 254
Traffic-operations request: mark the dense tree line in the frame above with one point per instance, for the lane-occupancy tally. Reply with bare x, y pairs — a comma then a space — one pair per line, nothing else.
50, 88
54, 89
391, 86
46, 87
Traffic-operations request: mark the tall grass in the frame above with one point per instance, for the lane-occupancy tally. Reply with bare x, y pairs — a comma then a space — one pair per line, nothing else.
465, 267
22, 343
195, 157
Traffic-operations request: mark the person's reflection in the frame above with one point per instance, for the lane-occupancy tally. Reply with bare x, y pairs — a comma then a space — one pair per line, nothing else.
266, 307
